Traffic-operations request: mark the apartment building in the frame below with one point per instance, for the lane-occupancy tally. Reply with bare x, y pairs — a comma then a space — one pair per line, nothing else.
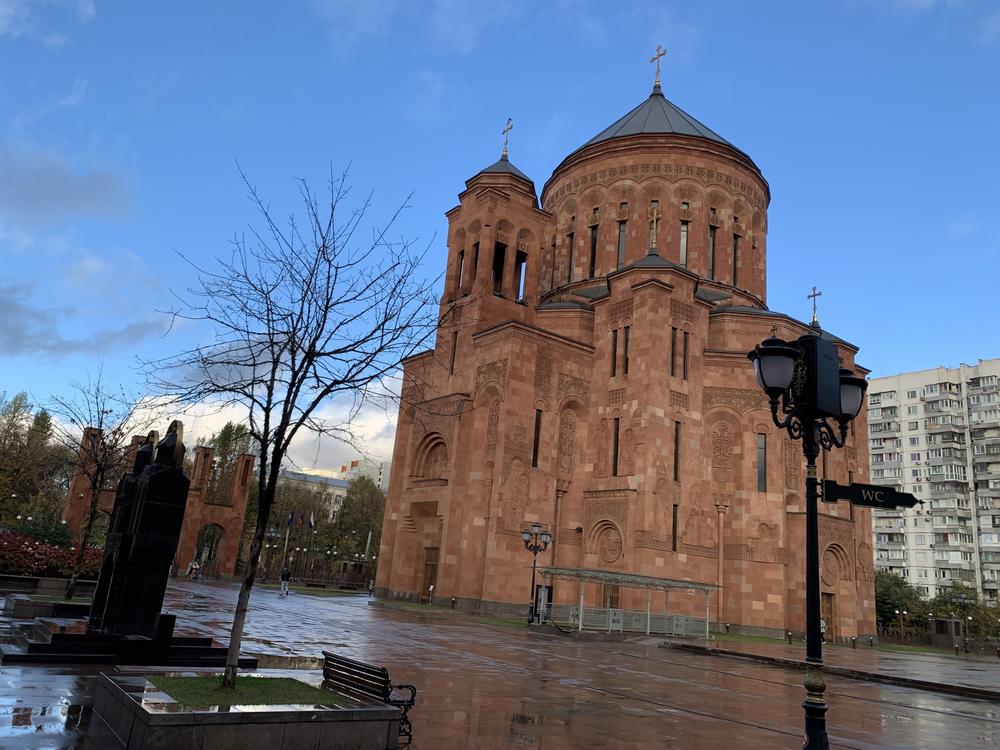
936, 434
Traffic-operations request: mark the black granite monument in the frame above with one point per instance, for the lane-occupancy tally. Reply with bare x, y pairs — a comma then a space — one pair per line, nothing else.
126, 625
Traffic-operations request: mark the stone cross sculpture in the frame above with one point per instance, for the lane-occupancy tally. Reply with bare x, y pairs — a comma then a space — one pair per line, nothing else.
142, 541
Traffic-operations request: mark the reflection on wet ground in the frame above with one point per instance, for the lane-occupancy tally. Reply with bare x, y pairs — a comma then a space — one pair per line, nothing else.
485, 686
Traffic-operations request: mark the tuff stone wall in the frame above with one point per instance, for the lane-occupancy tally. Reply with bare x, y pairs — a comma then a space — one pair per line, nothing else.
466, 484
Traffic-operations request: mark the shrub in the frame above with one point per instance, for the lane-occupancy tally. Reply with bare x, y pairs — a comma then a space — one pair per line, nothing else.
21, 554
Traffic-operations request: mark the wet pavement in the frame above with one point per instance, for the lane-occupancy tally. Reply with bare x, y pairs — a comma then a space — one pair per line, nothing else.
488, 686
977, 671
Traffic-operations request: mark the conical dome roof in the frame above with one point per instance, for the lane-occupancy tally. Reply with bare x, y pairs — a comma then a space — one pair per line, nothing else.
502, 166
657, 115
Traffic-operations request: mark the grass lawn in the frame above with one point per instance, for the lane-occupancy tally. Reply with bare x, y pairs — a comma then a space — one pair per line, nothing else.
310, 590
206, 690
862, 644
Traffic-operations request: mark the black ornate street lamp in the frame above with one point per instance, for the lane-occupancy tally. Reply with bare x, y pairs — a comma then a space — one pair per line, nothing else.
807, 389
535, 540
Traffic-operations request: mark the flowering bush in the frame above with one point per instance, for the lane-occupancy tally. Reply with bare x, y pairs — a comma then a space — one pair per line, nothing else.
24, 555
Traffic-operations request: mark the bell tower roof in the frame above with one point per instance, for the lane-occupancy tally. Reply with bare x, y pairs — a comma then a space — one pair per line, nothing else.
503, 166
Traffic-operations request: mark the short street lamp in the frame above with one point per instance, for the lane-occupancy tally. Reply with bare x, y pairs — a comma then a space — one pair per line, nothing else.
806, 388
535, 540
901, 615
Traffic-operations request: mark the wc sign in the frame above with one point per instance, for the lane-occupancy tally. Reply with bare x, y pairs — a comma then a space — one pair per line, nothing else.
868, 495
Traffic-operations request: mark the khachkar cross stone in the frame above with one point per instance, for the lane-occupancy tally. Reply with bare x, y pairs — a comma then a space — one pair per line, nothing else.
660, 52
815, 293
506, 130
654, 219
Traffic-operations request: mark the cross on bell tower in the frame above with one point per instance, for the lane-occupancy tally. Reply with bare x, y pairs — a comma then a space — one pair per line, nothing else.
815, 293
506, 130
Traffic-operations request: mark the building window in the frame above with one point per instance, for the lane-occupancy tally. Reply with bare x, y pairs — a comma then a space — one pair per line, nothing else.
614, 352
673, 530
654, 211
625, 349
684, 357
593, 250
622, 231
711, 252
677, 451
683, 253
461, 269
673, 352
475, 260
569, 251
520, 274
762, 462
614, 447
538, 435
499, 260
736, 256
454, 349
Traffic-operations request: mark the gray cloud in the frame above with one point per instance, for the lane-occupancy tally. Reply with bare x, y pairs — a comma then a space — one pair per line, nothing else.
27, 329
37, 185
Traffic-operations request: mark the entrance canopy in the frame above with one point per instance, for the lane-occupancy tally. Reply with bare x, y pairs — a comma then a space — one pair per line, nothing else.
630, 580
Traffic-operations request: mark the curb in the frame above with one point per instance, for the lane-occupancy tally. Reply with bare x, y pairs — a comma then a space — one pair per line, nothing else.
966, 691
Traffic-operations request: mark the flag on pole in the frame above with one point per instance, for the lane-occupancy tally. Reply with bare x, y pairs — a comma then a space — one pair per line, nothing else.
289, 518
312, 520
302, 520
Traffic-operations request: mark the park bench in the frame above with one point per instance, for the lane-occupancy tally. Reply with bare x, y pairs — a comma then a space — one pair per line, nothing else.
361, 680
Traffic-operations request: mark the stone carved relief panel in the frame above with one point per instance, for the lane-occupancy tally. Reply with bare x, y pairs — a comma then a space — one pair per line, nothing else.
616, 397
543, 372
741, 399
722, 452
699, 530
765, 545
839, 532
865, 563
829, 568
492, 372
603, 448
609, 544
681, 312
492, 425
620, 310
572, 386
515, 497
793, 465
605, 505
567, 442
678, 400
646, 170
626, 463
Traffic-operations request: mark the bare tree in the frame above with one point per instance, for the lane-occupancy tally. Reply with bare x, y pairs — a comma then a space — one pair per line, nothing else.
97, 422
305, 320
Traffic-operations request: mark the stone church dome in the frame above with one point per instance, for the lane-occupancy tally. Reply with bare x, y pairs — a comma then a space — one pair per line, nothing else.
657, 115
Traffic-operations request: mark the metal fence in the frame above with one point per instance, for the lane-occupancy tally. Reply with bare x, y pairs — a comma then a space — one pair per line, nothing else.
627, 621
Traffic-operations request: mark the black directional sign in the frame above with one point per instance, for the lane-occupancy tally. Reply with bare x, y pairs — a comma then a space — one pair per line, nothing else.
868, 495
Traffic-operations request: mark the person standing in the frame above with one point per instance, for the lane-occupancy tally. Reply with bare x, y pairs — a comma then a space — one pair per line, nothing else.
286, 576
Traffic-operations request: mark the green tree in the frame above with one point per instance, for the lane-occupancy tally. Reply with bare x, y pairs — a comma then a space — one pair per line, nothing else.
893, 592
358, 525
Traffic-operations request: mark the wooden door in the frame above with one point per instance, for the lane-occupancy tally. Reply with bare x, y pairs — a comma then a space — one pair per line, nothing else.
828, 611
430, 573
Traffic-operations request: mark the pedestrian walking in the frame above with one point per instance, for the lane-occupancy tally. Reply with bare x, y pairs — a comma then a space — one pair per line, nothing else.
286, 576
822, 630
195, 570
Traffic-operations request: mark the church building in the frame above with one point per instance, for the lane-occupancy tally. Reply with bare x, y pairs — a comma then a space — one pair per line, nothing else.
590, 374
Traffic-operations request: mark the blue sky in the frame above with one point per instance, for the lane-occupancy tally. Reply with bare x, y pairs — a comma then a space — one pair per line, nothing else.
875, 123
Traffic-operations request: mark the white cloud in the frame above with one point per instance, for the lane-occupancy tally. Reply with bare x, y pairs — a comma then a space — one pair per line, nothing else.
989, 27
55, 41
86, 10
74, 98
355, 19
14, 17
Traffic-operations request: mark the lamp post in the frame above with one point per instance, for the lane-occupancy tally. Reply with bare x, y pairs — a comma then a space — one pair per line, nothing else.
535, 540
901, 615
806, 389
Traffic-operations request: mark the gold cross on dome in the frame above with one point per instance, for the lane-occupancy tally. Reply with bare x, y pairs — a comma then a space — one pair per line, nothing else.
660, 52
815, 293
506, 129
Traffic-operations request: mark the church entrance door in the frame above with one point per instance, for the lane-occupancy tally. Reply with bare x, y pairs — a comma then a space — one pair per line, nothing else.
828, 611
430, 574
